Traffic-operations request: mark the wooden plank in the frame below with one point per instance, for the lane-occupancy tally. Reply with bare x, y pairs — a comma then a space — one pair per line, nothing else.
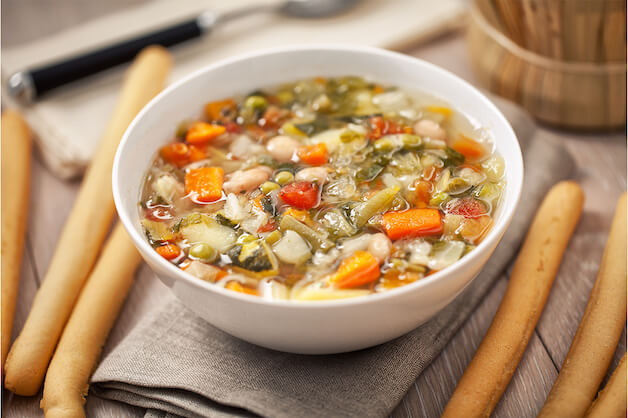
523, 397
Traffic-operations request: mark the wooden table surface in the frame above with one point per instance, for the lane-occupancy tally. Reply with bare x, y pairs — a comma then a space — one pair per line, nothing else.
601, 160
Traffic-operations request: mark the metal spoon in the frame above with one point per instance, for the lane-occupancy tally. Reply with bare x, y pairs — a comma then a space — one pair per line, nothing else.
30, 84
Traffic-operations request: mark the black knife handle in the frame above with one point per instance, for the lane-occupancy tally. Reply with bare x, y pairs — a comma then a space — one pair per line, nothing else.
50, 76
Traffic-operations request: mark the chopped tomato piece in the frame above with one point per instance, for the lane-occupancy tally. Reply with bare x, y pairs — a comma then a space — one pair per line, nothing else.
359, 269
471, 149
315, 154
378, 127
233, 128
202, 133
205, 183
301, 195
467, 207
168, 251
271, 225
412, 223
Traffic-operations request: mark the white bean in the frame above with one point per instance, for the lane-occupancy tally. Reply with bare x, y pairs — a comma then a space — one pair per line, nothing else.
380, 246
312, 174
282, 148
242, 181
430, 129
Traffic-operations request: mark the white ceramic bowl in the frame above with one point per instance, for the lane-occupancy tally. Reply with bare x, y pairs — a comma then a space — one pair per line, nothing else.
325, 326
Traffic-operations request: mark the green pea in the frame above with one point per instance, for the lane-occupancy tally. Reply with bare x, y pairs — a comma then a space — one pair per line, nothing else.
439, 199
273, 237
284, 177
203, 252
268, 186
255, 102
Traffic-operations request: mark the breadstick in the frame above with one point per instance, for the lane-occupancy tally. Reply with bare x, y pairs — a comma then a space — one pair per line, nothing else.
67, 379
83, 233
495, 361
611, 401
593, 346
16, 173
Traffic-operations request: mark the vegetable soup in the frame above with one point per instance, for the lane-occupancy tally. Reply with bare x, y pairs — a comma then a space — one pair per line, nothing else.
321, 189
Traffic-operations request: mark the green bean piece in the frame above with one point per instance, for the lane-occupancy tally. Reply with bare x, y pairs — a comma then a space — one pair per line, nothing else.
255, 103
284, 177
380, 202
203, 252
384, 145
273, 237
316, 240
411, 141
350, 136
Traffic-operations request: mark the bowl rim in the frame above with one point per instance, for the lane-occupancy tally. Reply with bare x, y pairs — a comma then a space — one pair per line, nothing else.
492, 238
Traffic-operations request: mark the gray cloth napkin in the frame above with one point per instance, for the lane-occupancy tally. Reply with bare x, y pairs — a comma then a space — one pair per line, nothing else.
174, 363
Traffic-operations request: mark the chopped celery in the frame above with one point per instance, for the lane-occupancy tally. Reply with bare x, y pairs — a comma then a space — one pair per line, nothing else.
316, 239
379, 203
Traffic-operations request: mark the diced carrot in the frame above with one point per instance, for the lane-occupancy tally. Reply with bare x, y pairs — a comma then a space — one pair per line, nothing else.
412, 223
221, 274
377, 89
299, 215
257, 203
361, 268
445, 111
237, 287
218, 110
315, 154
320, 80
423, 193
202, 132
205, 183
168, 251
471, 149
177, 154
196, 153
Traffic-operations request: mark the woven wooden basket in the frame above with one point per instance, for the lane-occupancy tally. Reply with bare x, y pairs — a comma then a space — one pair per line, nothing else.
585, 94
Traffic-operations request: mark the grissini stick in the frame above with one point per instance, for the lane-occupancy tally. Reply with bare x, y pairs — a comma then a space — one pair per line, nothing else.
83, 233
592, 349
611, 401
495, 361
16, 173
67, 379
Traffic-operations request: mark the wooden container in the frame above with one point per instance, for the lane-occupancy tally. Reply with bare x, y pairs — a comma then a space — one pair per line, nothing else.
570, 30
578, 95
